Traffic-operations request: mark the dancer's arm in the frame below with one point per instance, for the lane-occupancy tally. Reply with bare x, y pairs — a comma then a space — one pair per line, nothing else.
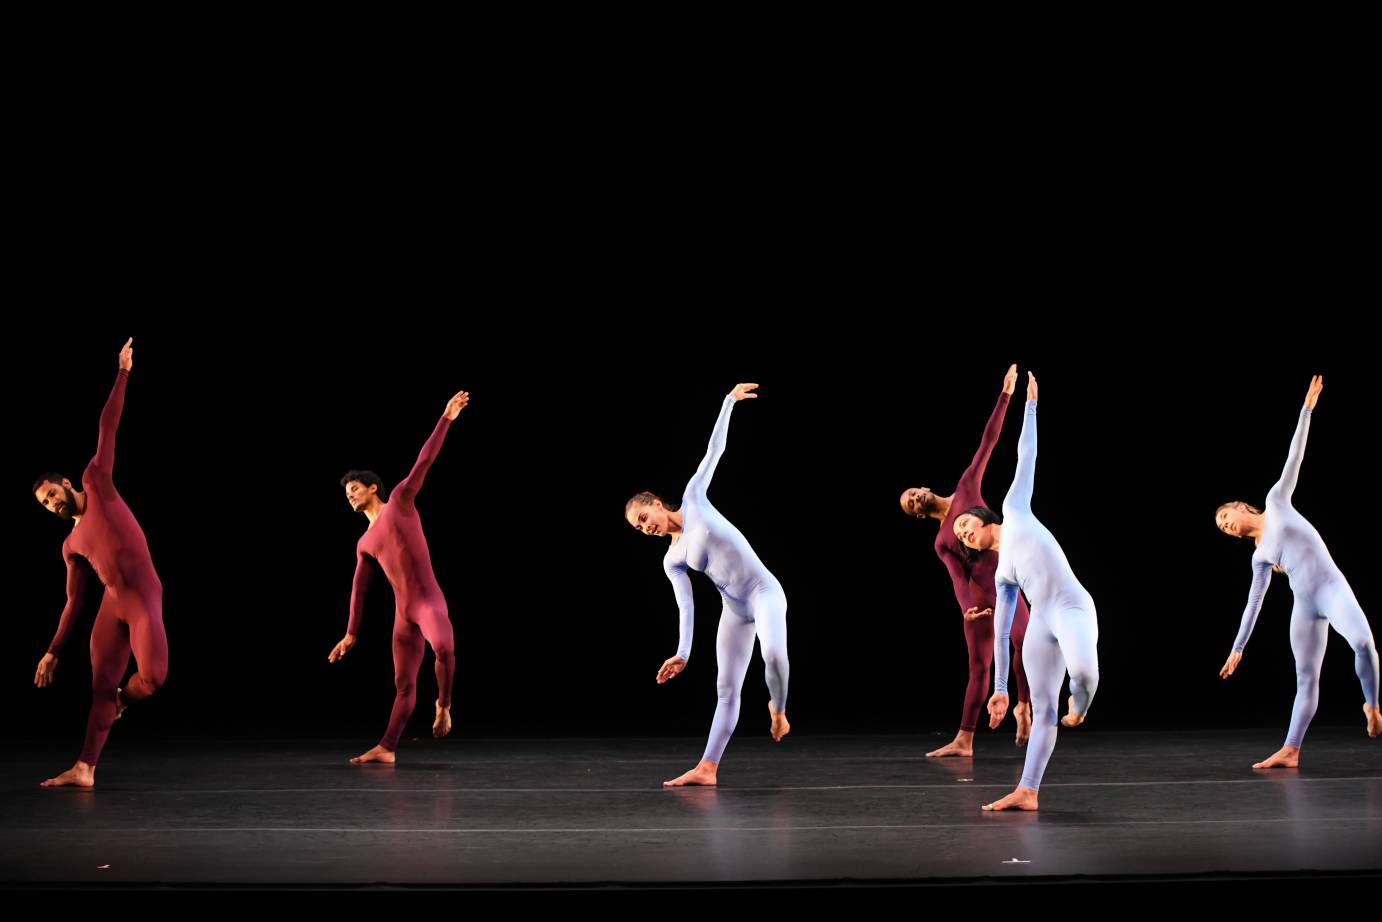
700, 481
365, 565
407, 489
973, 477
681, 588
1005, 608
1003, 612
1020, 493
110, 415
76, 586
1291, 473
1261, 578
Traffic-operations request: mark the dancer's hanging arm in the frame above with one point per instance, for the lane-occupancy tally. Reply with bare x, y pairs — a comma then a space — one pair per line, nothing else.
365, 566
1004, 611
1261, 579
681, 588
76, 586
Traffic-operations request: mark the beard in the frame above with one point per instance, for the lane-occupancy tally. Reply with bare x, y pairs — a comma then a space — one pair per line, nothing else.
67, 506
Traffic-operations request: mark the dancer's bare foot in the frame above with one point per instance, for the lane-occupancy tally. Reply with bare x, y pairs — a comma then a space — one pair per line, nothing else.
1374, 721
1020, 799
81, 775
780, 726
442, 724
961, 746
120, 703
1023, 715
1071, 719
1285, 757
704, 773
377, 754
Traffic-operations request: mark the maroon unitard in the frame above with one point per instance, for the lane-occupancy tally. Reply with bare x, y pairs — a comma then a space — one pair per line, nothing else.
131, 614
394, 543
972, 579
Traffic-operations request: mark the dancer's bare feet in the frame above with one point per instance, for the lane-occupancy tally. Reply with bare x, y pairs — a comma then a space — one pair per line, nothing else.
1374, 721
1285, 757
377, 754
1023, 714
704, 773
780, 726
81, 775
442, 724
1020, 799
1071, 719
961, 746
120, 703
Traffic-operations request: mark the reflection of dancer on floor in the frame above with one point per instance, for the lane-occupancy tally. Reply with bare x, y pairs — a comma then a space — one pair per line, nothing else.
393, 542
754, 603
130, 620
1286, 541
1063, 631
971, 577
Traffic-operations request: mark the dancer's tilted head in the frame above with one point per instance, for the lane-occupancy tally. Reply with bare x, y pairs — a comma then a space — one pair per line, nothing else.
1237, 519
977, 528
919, 502
54, 492
649, 514
362, 489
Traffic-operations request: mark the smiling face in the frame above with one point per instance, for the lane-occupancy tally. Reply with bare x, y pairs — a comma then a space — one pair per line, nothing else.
651, 518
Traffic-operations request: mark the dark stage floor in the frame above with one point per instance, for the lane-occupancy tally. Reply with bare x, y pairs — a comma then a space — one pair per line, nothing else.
465, 811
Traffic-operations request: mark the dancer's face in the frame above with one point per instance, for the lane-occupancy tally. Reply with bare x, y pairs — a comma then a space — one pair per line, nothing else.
916, 500
57, 498
651, 519
358, 495
974, 533
1234, 521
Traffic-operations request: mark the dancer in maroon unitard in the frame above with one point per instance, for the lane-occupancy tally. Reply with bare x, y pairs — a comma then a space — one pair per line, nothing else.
394, 542
971, 577
108, 540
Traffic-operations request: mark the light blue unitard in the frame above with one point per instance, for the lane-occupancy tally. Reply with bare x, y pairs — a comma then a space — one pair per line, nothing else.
754, 603
1063, 631
1323, 596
